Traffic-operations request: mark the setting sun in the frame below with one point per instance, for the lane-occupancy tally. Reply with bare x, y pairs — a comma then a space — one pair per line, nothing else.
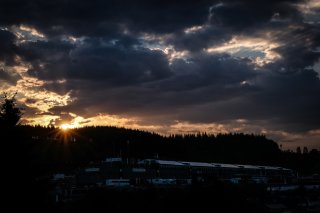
67, 126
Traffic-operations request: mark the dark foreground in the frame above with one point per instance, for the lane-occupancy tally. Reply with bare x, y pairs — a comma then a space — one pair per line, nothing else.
216, 197
31, 153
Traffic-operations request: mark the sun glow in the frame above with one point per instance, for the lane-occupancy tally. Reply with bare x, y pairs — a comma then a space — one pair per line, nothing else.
67, 126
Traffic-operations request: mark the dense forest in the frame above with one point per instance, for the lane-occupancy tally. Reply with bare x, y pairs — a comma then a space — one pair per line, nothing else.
52, 149
44, 150
31, 154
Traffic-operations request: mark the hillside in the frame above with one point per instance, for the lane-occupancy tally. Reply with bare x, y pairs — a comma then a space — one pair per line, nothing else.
52, 149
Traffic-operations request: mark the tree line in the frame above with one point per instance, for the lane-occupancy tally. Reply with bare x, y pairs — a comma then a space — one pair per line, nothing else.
32, 153
49, 149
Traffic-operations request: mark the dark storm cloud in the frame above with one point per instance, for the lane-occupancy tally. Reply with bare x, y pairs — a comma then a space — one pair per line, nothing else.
280, 98
292, 99
45, 51
9, 77
100, 17
243, 14
205, 79
97, 60
204, 38
229, 18
211, 92
204, 70
298, 49
8, 49
114, 65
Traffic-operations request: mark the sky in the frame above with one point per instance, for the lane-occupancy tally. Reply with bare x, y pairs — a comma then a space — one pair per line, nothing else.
167, 66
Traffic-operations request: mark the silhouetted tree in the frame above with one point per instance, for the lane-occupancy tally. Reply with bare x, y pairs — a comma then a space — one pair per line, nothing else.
10, 114
298, 150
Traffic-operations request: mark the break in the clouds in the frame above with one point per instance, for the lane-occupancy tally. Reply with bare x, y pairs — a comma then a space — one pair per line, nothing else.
167, 66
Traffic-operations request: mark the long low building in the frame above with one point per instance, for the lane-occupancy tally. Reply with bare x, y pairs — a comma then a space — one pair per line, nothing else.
216, 169
147, 170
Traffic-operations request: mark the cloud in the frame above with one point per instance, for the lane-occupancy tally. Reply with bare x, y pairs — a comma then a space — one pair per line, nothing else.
189, 85
205, 36
298, 47
247, 14
165, 65
7, 46
8, 77
104, 17
260, 50
96, 60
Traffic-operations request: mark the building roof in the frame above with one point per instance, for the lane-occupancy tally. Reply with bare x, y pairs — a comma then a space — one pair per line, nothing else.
212, 165
162, 162
167, 162
198, 164
247, 166
224, 165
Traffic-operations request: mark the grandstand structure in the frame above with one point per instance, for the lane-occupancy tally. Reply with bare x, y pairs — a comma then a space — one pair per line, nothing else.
120, 172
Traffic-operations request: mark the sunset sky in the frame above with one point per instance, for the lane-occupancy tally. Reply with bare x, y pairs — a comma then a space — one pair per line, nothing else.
167, 66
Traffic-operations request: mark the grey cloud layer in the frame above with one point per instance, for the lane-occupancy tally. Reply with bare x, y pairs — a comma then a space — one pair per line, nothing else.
109, 69
7, 47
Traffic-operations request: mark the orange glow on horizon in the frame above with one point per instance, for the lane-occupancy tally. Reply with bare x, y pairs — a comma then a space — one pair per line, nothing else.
66, 127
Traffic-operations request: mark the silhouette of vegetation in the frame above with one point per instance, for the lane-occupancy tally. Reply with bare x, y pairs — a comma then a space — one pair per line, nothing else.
10, 114
34, 153
51, 149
